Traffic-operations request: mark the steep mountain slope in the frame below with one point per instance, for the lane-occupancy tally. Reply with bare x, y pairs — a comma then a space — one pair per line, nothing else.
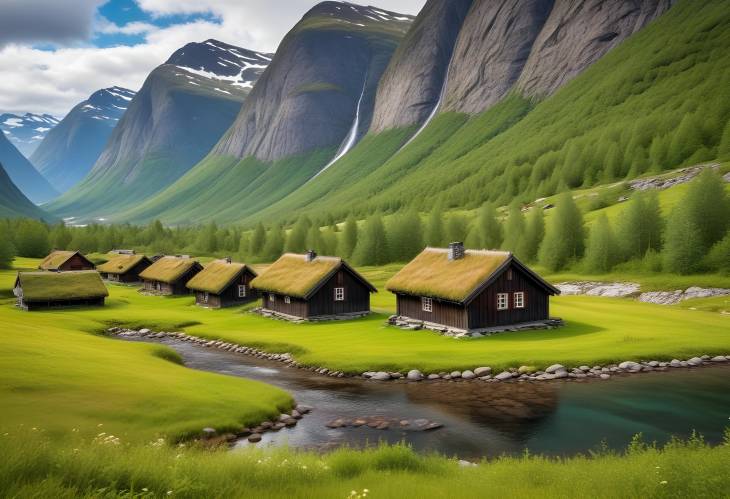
70, 149
23, 174
658, 100
314, 99
13, 204
26, 132
181, 111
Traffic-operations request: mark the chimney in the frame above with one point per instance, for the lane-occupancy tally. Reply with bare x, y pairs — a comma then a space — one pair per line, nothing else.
456, 251
310, 255
227, 259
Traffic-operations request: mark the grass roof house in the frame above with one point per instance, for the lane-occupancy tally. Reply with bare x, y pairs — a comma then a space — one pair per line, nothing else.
470, 290
35, 290
223, 283
169, 275
61, 261
124, 267
313, 287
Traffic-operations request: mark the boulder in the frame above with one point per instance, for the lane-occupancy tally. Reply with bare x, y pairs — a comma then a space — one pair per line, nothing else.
482, 371
554, 368
468, 374
675, 363
718, 358
433, 376
414, 375
254, 437
456, 374
504, 375
380, 376
526, 369
629, 366
695, 361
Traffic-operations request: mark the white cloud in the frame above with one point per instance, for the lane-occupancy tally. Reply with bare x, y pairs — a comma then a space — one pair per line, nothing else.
42, 81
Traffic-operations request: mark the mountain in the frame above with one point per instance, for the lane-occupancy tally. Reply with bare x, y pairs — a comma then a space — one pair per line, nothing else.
27, 131
13, 204
69, 150
312, 104
23, 174
181, 111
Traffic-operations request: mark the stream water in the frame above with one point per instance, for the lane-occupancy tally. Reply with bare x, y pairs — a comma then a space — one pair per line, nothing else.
488, 419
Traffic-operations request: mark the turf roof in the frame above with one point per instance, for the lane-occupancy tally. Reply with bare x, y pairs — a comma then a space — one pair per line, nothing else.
55, 259
293, 275
168, 269
216, 276
431, 273
120, 264
42, 286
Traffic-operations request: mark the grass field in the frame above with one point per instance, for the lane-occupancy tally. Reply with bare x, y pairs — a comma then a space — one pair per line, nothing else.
35, 467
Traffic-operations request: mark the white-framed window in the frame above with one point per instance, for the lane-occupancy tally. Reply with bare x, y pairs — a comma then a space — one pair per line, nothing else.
242, 291
519, 299
339, 294
205, 297
502, 301
287, 299
272, 297
426, 304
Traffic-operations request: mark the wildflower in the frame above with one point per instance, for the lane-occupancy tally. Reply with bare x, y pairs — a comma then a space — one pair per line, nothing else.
169, 492
663, 482
144, 489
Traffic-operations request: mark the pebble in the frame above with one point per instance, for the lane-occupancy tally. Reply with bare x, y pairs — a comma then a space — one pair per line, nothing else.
629, 365
482, 371
380, 376
553, 368
504, 375
456, 374
414, 375
718, 358
433, 376
605, 376
468, 374
254, 437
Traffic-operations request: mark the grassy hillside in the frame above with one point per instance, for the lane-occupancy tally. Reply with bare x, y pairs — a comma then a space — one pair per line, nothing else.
658, 101
13, 204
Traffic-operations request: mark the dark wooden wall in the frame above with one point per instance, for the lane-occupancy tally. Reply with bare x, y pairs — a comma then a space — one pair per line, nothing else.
76, 262
38, 305
132, 275
483, 309
443, 312
229, 296
298, 307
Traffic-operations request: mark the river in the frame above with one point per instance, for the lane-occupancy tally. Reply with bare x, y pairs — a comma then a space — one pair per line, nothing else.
489, 419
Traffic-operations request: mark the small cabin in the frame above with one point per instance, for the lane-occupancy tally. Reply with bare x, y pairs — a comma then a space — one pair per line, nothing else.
169, 275
62, 261
313, 287
36, 290
124, 267
223, 283
470, 290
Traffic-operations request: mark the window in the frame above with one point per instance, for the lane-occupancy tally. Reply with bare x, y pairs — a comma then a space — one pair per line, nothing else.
426, 304
339, 294
272, 298
242, 291
519, 299
502, 301
205, 297
287, 299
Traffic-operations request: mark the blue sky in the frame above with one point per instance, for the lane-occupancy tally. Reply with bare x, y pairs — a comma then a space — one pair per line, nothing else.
55, 53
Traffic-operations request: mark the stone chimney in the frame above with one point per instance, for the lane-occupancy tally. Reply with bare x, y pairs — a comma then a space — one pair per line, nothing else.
310, 255
456, 251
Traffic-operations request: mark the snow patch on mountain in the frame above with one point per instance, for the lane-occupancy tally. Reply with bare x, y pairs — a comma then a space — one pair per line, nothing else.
28, 130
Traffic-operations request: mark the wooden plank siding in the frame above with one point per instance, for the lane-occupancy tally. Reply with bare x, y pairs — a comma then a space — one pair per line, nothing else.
229, 296
442, 312
175, 288
482, 311
130, 276
76, 262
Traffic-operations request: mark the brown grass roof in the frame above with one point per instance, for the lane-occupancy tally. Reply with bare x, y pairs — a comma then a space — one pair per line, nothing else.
43, 286
120, 264
217, 276
55, 259
293, 275
431, 273
168, 269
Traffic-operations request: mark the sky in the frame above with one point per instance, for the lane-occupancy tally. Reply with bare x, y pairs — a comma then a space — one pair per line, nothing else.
55, 53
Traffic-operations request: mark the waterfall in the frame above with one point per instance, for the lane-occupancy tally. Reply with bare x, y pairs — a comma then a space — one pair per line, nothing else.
351, 138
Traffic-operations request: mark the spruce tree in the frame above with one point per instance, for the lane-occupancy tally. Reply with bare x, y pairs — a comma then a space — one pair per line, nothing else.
640, 225
723, 148
7, 253
31, 239
329, 240
718, 259
601, 250
708, 206
564, 239
372, 245
349, 237
314, 239
456, 228
487, 231
686, 140
435, 226
274, 245
258, 239
534, 233
405, 235
683, 250
514, 232
60, 236
297, 240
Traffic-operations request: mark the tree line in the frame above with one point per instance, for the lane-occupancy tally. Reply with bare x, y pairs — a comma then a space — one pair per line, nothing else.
694, 237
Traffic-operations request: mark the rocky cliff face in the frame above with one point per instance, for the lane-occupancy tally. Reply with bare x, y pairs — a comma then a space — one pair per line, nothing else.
71, 148
535, 46
23, 174
412, 83
324, 73
181, 111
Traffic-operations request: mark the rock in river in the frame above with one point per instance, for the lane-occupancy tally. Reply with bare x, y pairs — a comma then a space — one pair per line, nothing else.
415, 375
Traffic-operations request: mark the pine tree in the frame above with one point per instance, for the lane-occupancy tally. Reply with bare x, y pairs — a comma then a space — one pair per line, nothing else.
314, 239
601, 250
329, 240
435, 226
349, 237
564, 239
658, 153
613, 163
372, 245
31, 239
487, 231
718, 259
708, 207
7, 253
534, 233
640, 225
723, 148
297, 240
683, 246
60, 236
514, 232
686, 140
405, 236
274, 245
456, 228
258, 240
207, 241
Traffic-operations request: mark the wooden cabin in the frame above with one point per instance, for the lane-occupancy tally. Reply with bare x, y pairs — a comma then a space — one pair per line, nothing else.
62, 261
470, 289
124, 267
169, 275
223, 283
313, 287
36, 290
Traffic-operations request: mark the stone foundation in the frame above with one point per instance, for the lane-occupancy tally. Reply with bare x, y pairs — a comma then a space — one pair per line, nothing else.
416, 324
